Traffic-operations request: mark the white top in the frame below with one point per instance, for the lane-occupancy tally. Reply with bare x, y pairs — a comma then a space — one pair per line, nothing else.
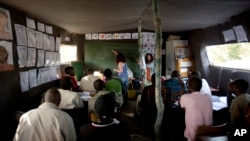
87, 83
70, 99
46, 123
205, 89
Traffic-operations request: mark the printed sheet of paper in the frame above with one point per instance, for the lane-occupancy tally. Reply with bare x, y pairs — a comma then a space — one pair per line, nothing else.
22, 56
31, 57
48, 29
31, 37
24, 81
52, 43
40, 58
39, 40
46, 42
32, 78
40, 27
48, 58
58, 58
240, 33
30, 23
40, 76
58, 43
21, 35
229, 35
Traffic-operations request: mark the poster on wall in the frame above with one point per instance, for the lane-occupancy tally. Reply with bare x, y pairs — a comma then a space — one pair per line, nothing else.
5, 23
6, 56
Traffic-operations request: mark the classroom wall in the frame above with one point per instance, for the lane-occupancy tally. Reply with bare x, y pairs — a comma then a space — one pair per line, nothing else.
11, 97
217, 77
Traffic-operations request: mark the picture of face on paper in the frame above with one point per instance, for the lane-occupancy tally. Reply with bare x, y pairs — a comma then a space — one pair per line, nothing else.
6, 56
5, 25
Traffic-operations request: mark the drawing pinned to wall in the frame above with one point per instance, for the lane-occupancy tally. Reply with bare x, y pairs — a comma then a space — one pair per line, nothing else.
102, 36
88, 36
6, 56
134, 35
115, 36
95, 36
127, 36
108, 36
5, 25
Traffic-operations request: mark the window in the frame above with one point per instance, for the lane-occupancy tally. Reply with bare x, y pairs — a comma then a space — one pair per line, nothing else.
68, 53
230, 55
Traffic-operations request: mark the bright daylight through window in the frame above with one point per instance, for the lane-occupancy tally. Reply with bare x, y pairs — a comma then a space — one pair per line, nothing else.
235, 55
68, 53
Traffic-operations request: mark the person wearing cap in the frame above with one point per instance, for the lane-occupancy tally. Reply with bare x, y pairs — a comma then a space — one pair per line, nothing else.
105, 127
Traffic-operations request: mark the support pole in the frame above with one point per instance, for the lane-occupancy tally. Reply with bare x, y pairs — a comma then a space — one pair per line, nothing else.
158, 96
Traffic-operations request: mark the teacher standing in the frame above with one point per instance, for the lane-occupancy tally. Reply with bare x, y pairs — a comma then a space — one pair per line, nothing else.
122, 71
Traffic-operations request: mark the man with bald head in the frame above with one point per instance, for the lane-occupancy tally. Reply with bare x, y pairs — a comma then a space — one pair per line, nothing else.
47, 122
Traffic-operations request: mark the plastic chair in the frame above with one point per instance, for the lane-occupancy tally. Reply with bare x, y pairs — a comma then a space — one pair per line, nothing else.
211, 131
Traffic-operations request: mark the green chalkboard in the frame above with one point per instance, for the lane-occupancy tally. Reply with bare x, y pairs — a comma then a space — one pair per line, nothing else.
98, 55
78, 67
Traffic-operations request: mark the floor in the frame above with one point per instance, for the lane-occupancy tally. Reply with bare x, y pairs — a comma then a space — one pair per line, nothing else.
135, 124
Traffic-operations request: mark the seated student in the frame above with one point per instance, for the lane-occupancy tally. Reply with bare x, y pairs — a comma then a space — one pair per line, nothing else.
245, 124
113, 84
105, 127
175, 85
87, 82
198, 108
99, 86
70, 99
47, 122
205, 89
239, 87
68, 81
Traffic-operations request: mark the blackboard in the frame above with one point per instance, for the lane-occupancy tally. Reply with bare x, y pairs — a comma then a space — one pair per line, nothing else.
78, 67
98, 55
